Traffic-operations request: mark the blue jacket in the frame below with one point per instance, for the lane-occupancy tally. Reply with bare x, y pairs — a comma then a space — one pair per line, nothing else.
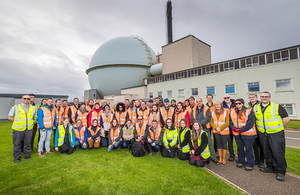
40, 116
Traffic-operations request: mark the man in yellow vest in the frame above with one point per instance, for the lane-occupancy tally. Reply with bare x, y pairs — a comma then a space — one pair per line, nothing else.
271, 119
22, 116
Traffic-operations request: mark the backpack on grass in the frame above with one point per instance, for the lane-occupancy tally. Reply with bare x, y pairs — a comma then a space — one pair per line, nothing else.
138, 149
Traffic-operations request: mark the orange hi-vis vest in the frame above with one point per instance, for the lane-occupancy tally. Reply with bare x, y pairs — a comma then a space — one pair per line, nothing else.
132, 115
140, 131
94, 133
82, 117
155, 135
178, 117
121, 117
189, 109
114, 134
107, 120
88, 108
59, 115
49, 117
205, 108
241, 122
66, 112
96, 115
145, 115
154, 117
220, 121
80, 134
73, 112
165, 115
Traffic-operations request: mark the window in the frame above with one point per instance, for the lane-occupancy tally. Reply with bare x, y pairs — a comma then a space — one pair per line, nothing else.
269, 58
243, 63
169, 94
285, 55
221, 67
150, 94
217, 68
253, 87
226, 67
181, 93
262, 60
210, 90
249, 62
255, 61
283, 85
236, 64
231, 67
159, 94
288, 108
229, 89
293, 54
194, 91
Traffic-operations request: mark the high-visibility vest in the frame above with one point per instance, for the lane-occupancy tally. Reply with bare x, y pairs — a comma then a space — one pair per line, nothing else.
36, 108
107, 120
94, 133
121, 117
96, 115
170, 135
88, 108
155, 116
125, 130
206, 153
190, 109
61, 135
114, 134
140, 131
241, 122
66, 112
23, 120
269, 121
49, 117
220, 121
205, 108
178, 117
79, 133
132, 115
59, 115
155, 135
165, 115
186, 148
82, 117
73, 112
145, 115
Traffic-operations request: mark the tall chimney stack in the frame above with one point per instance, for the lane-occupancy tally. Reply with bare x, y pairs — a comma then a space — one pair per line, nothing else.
169, 22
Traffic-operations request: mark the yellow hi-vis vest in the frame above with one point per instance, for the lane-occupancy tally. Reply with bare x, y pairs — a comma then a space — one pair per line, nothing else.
61, 135
206, 153
23, 120
170, 135
270, 121
186, 148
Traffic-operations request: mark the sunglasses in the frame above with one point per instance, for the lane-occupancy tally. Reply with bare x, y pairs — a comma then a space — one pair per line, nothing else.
264, 96
140, 119
226, 98
26, 98
238, 103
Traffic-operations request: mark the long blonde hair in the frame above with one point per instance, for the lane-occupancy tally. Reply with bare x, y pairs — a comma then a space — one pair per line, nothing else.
196, 133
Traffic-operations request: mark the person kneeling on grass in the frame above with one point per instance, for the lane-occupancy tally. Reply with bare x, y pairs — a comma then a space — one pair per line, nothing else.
80, 135
169, 139
184, 138
199, 146
141, 131
65, 138
93, 136
128, 134
155, 137
114, 136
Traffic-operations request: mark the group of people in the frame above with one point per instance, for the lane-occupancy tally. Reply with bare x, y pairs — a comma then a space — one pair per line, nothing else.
180, 129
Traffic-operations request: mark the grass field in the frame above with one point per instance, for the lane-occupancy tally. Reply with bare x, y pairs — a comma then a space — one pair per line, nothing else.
293, 125
101, 172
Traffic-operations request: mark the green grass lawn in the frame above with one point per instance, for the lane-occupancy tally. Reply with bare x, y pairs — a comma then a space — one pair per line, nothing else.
293, 124
101, 172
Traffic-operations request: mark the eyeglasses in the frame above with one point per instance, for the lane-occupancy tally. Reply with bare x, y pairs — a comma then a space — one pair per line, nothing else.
238, 103
140, 119
226, 98
264, 96
26, 98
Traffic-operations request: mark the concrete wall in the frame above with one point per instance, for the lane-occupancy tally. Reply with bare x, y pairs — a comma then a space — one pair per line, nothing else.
141, 92
5, 104
266, 75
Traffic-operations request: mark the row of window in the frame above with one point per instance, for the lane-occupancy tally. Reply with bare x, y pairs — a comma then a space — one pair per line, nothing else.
278, 56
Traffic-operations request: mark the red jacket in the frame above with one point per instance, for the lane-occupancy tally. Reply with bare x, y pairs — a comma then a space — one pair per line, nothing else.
90, 116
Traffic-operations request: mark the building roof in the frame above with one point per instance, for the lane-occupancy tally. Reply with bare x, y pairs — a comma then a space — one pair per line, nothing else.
134, 87
185, 38
15, 95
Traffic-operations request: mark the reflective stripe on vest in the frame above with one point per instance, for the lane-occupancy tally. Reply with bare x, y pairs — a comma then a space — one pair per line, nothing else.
155, 135
206, 153
154, 117
66, 112
23, 120
220, 121
132, 115
185, 148
145, 115
114, 134
94, 133
61, 135
269, 121
73, 112
79, 134
96, 115
178, 117
169, 136
107, 120
140, 132
82, 117
49, 117
241, 122
121, 117
166, 114
59, 115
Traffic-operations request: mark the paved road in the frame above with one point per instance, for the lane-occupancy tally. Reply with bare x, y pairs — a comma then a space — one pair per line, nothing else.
292, 138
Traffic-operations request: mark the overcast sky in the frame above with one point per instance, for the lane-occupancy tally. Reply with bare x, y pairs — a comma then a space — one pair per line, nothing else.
46, 46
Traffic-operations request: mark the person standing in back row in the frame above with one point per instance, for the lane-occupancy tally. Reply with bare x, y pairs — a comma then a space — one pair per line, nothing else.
271, 119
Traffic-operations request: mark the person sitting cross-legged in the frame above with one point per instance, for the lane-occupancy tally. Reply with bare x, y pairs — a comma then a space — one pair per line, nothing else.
155, 137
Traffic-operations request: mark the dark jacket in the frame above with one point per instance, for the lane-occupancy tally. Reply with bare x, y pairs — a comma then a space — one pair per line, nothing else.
200, 117
201, 148
94, 130
187, 137
232, 104
161, 135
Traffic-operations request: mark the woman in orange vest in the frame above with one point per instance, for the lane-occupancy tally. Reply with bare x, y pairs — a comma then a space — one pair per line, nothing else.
120, 114
220, 128
131, 113
242, 123
93, 135
114, 136
181, 113
80, 135
82, 114
154, 115
95, 113
107, 117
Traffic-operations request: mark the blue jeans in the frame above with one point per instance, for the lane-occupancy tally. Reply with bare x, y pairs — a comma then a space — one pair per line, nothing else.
242, 142
156, 147
126, 143
45, 136
77, 144
104, 142
117, 144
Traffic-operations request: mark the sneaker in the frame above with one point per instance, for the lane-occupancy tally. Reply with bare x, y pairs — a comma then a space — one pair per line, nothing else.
158, 152
266, 170
41, 154
239, 165
207, 162
17, 160
248, 168
256, 162
28, 157
118, 148
231, 158
261, 165
280, 177
90, 148
150, 153
216, 161
49, 152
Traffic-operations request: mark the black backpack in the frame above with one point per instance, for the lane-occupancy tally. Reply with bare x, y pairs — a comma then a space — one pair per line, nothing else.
137, 149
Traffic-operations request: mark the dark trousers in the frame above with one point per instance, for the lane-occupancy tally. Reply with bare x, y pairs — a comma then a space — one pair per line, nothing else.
198, 163
67, 148
54, 131
215, 144
183, 156
221, 141
34, 129
274, 151
243, 142
20, 137
167, 153
258, 151
230, 144
104, 141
